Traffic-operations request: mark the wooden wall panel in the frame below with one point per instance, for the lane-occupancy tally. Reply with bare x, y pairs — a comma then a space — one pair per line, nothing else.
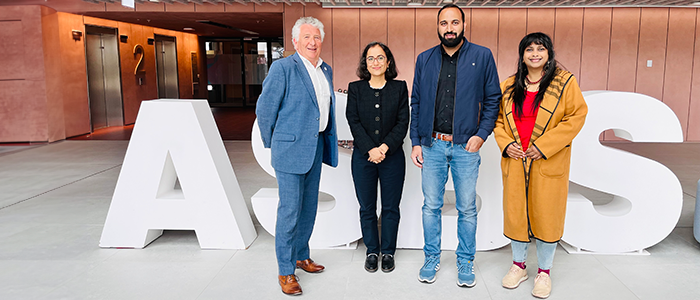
237, 7
149, 6
291, 15
511, 29
373, 26
624, 41
346, 46
679, 71
55, 129
484, 30
181, 7
595, 49
326, 17
652, 46
541, 20
426, 30
694, 109
73, 77
401, 40
268, 7
468, 23
208, 7
567, 38
23, 110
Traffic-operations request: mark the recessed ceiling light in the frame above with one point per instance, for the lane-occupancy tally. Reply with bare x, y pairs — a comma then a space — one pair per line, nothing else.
188, 29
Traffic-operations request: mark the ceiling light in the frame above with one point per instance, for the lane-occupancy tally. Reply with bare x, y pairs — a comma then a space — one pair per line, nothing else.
188, 29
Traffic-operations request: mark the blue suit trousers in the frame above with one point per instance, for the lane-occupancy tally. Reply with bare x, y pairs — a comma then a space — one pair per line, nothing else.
296, 212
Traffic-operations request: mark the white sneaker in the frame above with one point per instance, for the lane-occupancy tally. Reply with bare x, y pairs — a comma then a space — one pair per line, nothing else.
514, 277
543, 285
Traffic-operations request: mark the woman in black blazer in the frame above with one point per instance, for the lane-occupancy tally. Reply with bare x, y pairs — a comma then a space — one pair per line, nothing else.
378, 116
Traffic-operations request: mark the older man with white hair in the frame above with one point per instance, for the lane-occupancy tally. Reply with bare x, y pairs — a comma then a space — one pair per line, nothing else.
296, 116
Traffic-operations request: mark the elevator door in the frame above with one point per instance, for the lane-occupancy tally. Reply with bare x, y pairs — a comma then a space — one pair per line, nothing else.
104, 83
166, 63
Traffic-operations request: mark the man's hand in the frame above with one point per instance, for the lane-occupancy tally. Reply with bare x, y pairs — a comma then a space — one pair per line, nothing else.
417, 156
474, 144
514, 151
376, 155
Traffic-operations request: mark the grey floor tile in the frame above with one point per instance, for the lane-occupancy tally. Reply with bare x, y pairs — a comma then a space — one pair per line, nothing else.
139, 280
31, 279
659, 281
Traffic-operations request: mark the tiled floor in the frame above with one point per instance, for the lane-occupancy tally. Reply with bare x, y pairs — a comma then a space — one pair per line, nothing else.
54, 199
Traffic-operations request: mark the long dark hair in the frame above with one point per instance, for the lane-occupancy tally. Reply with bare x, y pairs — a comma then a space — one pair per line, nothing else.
518, 88
391, 71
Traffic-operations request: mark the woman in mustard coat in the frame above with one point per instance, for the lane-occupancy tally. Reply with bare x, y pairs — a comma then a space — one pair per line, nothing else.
542, 110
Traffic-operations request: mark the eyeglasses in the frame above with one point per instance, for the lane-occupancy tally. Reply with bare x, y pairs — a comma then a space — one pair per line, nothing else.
379, 59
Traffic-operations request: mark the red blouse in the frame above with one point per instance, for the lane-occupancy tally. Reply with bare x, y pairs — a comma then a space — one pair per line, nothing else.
526, 123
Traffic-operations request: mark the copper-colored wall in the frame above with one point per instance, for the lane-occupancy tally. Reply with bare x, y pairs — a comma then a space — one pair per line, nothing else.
23, 109
606, 48
43, 80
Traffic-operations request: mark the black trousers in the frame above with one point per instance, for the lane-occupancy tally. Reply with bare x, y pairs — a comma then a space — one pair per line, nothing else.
390, 174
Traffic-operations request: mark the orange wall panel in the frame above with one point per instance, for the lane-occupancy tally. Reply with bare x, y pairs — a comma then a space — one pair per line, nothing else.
346, 46
567, 38
23, 115
541, 20
73, 76
595, 49
373, 26
511, 29
269, 7
624, 41
326, 17
208, 7
237, 7
100, 22
694, 109
181, 7
652, 46
291, 15
150, 6
426, 30
52, 67
679, 71
401, 41
484, 29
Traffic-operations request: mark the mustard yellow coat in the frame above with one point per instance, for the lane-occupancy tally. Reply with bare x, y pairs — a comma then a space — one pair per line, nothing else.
535, 192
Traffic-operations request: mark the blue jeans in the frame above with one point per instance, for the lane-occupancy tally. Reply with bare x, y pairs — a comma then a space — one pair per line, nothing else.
438, 159
296, 213
545, 253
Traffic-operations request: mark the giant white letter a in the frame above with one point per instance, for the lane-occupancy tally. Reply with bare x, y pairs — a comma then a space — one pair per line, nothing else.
177, 140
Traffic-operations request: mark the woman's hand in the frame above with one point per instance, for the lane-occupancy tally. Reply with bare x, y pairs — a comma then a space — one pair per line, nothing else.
533, 153
515, 152
376, 155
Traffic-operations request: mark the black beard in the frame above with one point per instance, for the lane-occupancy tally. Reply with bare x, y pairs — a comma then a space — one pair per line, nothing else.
449, 43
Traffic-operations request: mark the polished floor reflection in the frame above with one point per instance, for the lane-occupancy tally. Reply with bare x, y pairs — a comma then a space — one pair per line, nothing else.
54, 199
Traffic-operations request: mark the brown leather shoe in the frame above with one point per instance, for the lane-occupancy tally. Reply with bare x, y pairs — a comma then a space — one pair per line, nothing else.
310, 266
289, 285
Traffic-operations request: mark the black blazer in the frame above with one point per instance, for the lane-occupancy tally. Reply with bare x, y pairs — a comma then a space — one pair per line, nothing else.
377, 116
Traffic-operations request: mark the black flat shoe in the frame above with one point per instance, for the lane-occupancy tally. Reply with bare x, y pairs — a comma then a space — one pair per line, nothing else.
387, 263
371, 262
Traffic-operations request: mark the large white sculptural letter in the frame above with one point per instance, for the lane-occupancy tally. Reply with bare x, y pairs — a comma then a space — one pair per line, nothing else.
489, 190
173, 140
337, 222
647, 196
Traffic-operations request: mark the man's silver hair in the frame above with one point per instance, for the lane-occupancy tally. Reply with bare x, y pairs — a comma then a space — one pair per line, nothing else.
307, 20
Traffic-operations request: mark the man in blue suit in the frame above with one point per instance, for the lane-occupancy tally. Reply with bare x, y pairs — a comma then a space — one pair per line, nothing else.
296, 115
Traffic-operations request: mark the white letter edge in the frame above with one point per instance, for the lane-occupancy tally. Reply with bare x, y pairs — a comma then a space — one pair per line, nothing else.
177, 139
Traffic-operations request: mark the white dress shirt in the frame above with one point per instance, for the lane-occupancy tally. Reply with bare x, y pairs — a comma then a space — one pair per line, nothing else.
323, 91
